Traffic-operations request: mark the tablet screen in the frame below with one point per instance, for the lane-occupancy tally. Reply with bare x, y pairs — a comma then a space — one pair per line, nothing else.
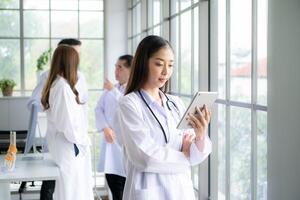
200, 98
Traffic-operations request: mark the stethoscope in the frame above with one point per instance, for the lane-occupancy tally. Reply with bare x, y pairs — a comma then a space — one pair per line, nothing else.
169, 104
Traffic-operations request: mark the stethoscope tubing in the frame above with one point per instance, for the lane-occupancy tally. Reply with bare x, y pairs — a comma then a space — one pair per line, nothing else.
168, 100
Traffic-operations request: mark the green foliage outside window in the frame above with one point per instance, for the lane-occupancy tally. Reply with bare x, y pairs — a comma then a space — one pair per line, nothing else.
43, 60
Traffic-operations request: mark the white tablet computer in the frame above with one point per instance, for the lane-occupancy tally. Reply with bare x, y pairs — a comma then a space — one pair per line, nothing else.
200, 98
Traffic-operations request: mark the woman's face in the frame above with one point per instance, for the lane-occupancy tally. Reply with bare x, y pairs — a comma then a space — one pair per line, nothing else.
160, 68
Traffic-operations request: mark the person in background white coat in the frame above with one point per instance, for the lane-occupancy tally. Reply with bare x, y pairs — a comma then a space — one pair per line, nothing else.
47, 187
110, 154
67, 135
157, 156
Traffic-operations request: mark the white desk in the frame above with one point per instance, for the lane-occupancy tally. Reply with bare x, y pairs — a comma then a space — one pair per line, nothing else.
27, 170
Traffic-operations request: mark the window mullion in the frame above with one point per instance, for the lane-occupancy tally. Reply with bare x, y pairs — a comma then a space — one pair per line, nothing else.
254, 102
227, 83
22, 65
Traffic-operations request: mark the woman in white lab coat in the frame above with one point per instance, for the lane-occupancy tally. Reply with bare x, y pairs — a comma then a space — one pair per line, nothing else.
157, 156
67, 135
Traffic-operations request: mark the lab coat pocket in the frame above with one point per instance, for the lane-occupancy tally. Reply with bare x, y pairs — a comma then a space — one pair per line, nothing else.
150, 193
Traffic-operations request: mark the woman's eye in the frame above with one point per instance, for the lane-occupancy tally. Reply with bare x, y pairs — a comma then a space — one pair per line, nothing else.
159, 64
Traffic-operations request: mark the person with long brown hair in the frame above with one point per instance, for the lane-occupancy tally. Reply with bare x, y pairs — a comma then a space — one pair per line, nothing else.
157, 156
34, 104
67, 135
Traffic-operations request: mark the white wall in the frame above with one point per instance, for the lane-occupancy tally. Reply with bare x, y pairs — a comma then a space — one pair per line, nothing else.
283, 100
115, 44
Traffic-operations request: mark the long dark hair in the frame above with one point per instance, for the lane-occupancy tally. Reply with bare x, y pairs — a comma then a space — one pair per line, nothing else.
64, 62
140, 64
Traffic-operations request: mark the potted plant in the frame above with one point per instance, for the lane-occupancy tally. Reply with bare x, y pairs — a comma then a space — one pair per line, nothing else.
7, 86
43, 60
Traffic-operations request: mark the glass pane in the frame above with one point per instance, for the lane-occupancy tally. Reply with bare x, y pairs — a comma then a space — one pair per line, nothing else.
262, 24
9, 4
92, 62
64, 4
240, 52
34, 4
156, 11
186, 100
150, 11
174, 6
195, 176
90, 5
134, 21
185, 4
221, 152
150, 32
54, 43
9, 23
185, 64
10, 60
93, 158
240, 153
93, 99
91, 24
129, 47
36, 23
62, 19
95, 138
195, 47
175, 44
100, 180
32, 50
134, 45
156, 30
261, 155
222, 49
137, 19
136, 41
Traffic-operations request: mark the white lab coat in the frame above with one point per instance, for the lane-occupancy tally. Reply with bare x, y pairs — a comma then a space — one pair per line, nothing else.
37, 91
110, 154
37, 94
155, 170
66, 126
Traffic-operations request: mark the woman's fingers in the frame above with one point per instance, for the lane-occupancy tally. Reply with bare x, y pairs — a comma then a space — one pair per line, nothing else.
195, 122
201, 115
186, 144
207, 113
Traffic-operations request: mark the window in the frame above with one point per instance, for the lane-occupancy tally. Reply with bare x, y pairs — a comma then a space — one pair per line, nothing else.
31, 27
237, 70
241, 124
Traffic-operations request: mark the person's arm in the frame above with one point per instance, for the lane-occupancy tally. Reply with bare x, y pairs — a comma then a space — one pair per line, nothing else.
197, 155
37, 92
68, 119
116, 93
82, 88
108, 85
142, 150
101, 121
200, 147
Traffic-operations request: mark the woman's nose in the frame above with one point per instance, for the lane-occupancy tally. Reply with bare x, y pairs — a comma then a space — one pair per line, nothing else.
165, 70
